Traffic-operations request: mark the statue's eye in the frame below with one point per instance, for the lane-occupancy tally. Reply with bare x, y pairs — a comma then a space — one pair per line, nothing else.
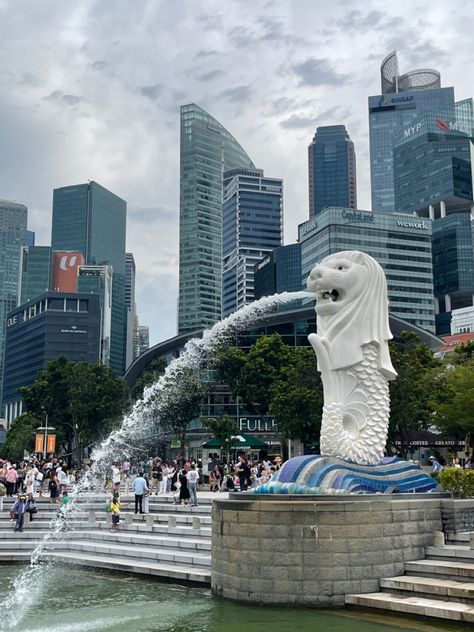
340, 267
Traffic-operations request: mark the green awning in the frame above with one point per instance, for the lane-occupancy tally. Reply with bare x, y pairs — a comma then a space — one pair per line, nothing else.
238, 441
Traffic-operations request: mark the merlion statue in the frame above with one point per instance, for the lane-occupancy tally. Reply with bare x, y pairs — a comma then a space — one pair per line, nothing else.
353, 356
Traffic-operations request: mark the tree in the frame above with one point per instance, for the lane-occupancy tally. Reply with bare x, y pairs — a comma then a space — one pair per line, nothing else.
21, 437
82, 401
265, 366
297, 399
180, 403
412, 391
223, 428
454, 402
153, 371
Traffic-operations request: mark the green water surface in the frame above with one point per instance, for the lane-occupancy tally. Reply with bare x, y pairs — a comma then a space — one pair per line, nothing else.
77, 600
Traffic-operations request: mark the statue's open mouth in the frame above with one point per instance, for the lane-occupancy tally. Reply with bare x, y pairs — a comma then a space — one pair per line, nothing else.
333, 295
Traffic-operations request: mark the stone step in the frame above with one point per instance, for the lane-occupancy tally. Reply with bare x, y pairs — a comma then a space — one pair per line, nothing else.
461, 537
452, 552
431, 587
195, 574
184, 530
144, 553
202, 545
421, 606
83, 515
444, 569
182, 534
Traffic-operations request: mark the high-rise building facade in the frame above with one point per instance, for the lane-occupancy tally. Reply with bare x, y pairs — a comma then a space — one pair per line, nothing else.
453, 266
280, 271
92, 220
35, 272
252, 226
432, 166
331, 169
404, 98
13, 221
99, 280
131, 316
400, 243
53, 324
144, 337
207, 150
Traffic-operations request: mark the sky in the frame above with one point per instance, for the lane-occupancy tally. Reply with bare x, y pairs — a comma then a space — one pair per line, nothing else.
91, 90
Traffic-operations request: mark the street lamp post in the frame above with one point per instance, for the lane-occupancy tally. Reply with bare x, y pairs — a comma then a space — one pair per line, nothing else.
45, 428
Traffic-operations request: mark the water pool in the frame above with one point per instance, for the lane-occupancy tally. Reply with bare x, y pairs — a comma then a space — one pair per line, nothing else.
79, 600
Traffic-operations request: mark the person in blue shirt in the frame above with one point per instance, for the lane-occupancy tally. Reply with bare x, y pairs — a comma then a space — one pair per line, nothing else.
18, 511
139, 487
435, 464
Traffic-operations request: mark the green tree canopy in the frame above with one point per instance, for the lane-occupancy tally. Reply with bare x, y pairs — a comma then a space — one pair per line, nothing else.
21, 437
181, 403
223, 428
297, 399
152, 373
412, 391
453, 401
83, 401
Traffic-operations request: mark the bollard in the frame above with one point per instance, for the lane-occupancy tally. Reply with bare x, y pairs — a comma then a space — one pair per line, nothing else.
471, 540
196, 522
171, 522
438, 538
128, 519
150, 520
109, 518
91, 519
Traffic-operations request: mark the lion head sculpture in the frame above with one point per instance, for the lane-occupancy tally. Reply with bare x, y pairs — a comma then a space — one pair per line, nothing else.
352, 308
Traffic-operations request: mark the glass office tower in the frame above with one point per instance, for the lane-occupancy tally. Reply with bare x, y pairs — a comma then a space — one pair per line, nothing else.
35, 272
453, 266
404, 98
13, 220
400, 243
252, 226
331, 169
432, 166
207, 150
90, 219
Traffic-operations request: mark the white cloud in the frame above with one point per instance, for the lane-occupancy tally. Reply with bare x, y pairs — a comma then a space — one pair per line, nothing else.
92, 90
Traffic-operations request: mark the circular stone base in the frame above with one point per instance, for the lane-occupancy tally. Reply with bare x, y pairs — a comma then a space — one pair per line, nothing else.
313, 550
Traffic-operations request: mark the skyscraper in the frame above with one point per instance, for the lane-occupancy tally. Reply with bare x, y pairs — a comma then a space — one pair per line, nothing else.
403, 98
207, 151
35, 272
252, 226
432, 166
90, 219
400, 243
13, 220
331, 169
131, 351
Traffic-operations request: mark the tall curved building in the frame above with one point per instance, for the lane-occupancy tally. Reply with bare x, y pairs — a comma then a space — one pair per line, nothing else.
13, 221
207, 150
403, 99
420, 79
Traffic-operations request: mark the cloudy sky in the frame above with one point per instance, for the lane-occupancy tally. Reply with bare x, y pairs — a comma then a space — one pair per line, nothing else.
91, 90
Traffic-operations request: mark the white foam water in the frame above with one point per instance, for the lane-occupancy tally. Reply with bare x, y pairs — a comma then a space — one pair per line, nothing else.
28, 586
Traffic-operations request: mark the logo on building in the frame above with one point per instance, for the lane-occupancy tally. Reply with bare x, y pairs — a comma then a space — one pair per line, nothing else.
444, 126
357, 216
65, 268
405, 224
412, 130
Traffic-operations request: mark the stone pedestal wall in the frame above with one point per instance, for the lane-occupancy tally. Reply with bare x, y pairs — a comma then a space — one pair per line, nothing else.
315, 551
458, 515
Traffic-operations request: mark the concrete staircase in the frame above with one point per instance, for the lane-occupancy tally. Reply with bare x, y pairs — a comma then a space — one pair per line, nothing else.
441, 586
172, 541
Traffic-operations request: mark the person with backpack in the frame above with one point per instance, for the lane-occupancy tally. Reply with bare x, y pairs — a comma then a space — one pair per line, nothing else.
31, 507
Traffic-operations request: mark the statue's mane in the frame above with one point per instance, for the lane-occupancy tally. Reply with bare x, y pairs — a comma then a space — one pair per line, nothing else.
362, 321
